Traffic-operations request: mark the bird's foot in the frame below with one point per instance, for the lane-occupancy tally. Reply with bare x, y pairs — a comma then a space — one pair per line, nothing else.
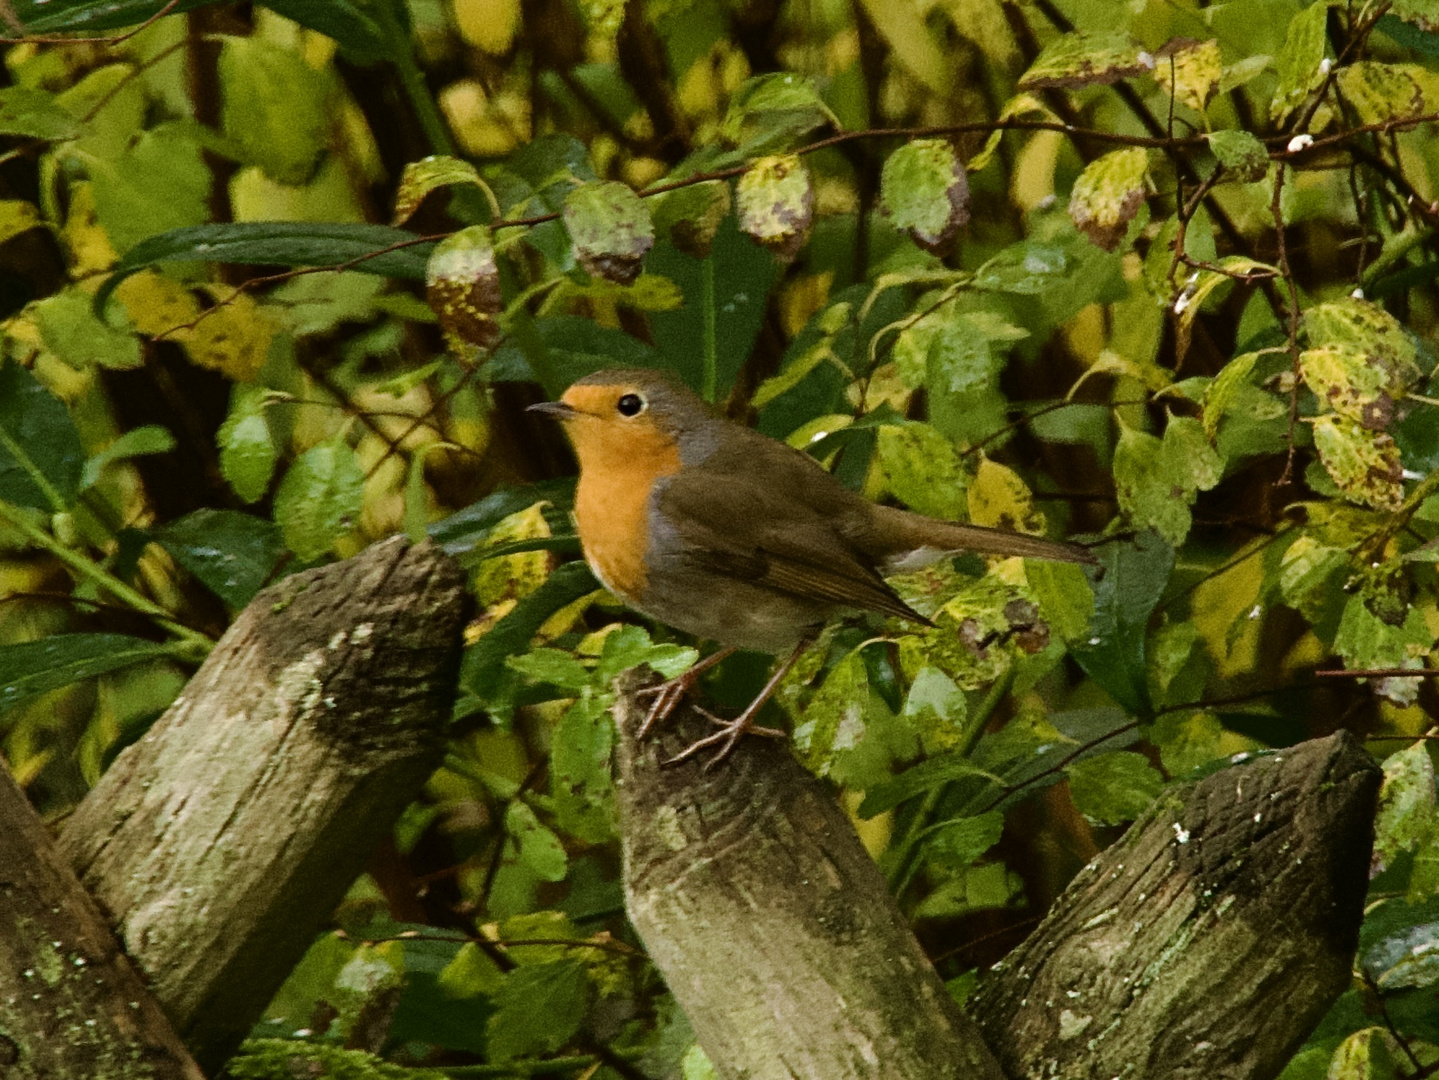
667, 695
726, 738
671, 692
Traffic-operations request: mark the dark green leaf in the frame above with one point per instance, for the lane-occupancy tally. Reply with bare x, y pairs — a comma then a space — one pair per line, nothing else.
231, 553
33, 667
1113, 655
464, 529
48, 16
41, 459
356, 31
371, 248
540, 1007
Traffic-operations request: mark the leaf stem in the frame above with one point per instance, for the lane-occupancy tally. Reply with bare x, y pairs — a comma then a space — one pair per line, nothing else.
90, 570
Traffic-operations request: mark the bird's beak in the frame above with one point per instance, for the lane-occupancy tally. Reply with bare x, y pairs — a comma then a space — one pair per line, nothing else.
557, 409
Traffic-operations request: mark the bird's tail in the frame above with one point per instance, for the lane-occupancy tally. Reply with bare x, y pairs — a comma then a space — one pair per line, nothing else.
904, 532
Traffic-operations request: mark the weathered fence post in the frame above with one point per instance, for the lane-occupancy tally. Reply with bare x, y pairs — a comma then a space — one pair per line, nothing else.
1208, 942
221, 841
71, 1004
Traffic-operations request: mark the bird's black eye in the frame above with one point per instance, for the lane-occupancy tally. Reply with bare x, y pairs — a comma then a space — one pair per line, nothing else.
630, 405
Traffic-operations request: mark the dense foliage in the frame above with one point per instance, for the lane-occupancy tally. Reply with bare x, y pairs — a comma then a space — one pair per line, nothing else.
1161, 275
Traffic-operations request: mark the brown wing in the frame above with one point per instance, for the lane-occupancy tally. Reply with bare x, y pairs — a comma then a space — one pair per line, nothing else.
765, 513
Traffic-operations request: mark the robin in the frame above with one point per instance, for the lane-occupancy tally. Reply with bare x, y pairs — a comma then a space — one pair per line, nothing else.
726, 534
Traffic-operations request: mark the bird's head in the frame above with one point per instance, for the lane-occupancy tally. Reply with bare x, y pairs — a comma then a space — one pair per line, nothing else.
629, 416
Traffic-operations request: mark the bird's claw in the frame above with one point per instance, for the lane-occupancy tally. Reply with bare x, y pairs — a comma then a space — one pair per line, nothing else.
726, 738
667, 695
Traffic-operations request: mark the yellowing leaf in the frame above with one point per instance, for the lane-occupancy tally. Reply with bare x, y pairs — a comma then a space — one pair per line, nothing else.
1365, 465
902, 26
925, 190
775, 202
511, 577
691, 216
157, 304
462, 286
234, 338
1000, 499
17, 216
1191, 72
1083, 59
611, 230
1343, 379
427, 175
1380, 92
489, 25
1015, 107
1108, 194
1371, 330
921, 468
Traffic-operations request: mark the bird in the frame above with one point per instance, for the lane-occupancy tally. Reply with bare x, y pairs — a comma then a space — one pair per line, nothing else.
721, 532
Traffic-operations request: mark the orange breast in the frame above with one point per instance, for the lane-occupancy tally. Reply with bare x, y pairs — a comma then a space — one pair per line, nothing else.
612, 501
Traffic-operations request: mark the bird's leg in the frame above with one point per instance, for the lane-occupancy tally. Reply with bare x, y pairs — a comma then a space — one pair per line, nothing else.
671, 692
730, 731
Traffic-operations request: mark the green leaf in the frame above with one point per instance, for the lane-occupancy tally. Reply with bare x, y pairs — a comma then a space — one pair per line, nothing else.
462, 286
937, 709
963, 840
34, 115
483, 667
539, 848
580, 771
137, 442
1064, 595
769, 112
422, 177
471, 974
320, 498
34, 667
834, 719
1110, 789
247, 453
1113, 654
275, 108
1367, 641
1108, 195
630, 646
925, 191
41, 458
230, 553
1223, 390
1084, 59
42, 17
321, 301
775, 203
1419, 13
611, 230
1309, 577
1364, 464
1156, 480
160, 183
553, 666
371, 248
1243, 156
922, 469
952, 351
539, 1009
72, 331
1406, 818
1300, 61
919, 779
